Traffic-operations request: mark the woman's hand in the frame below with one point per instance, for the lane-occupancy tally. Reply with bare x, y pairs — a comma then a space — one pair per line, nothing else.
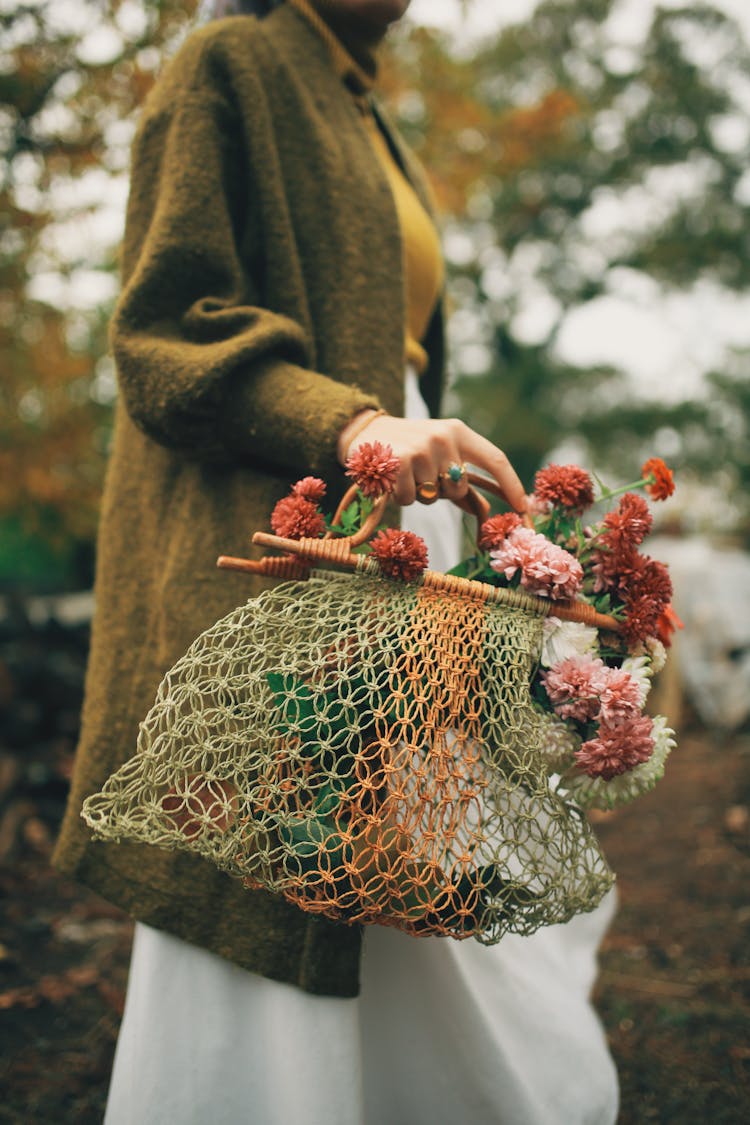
427, 448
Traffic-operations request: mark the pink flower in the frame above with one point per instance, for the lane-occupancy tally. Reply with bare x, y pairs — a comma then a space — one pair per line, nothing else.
564, 486
294, 517
620, 697
574, 686
546, 569
496, 530
401, 554
584, 688
373, 468
537, 507
311, 488
618, 747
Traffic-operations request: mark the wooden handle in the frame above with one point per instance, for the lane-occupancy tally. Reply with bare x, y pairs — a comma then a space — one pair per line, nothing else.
477, 505
368, 527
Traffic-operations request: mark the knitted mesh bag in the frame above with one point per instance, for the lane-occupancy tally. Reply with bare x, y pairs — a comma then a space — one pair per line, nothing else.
369, 749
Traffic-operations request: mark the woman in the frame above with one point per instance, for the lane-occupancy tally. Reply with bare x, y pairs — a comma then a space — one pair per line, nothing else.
279, 273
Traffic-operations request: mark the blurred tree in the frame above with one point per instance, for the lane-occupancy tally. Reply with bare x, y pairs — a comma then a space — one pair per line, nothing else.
571, 167
72, 73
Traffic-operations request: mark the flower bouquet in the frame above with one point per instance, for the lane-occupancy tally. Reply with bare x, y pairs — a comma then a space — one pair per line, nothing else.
410, 748
591, 683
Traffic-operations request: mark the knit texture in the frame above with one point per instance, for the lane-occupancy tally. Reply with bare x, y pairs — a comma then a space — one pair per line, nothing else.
262, 306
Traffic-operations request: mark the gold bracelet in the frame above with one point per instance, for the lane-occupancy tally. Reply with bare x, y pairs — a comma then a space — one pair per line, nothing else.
365, 422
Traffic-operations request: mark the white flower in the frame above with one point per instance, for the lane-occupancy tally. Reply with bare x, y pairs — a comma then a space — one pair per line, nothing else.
654, 650
595, 793
658, 654
563, 639
639, 669
559, 742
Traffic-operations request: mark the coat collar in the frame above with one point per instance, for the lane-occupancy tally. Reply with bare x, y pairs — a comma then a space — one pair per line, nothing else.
354, 76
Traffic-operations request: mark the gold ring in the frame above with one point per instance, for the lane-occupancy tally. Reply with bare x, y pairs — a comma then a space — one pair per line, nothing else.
455, 473
428, 492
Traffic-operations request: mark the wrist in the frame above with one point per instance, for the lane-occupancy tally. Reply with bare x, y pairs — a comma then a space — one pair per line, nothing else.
352, 430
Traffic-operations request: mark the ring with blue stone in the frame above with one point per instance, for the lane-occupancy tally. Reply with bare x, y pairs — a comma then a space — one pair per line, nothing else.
455, 473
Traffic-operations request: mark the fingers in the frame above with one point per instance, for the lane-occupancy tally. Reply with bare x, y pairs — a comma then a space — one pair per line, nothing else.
482, 453
454, 480
427, 449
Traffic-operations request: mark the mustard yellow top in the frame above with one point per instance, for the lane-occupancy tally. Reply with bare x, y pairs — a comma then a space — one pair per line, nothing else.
422, 258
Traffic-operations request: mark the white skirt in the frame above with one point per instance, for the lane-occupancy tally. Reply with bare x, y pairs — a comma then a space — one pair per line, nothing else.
443, 1032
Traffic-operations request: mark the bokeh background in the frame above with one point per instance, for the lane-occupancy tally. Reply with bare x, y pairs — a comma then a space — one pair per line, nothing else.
590, 159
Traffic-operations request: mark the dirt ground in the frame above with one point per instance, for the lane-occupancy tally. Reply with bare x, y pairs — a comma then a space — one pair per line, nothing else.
673, 990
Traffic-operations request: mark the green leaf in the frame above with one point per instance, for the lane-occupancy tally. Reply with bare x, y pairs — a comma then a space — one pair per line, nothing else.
350, 518
464, 568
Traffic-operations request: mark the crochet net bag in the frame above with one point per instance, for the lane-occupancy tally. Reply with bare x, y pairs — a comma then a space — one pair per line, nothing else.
368, 749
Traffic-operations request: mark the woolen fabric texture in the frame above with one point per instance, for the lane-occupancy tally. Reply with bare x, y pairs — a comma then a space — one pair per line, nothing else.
262, 307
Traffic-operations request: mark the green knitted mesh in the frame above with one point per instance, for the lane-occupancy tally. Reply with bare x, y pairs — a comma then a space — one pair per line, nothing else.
369, 750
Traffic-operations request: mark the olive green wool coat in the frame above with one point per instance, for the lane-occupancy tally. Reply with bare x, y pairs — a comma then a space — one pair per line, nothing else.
262, 307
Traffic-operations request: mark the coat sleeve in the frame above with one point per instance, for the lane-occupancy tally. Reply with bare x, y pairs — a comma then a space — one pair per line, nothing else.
203, 367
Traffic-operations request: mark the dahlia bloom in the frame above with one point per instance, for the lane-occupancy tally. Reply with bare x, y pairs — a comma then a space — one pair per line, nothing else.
574, 686
617, 748
646, 594
613, 570
641, 583
559, 742
641, 620
401, 554
628, 525
563, 639
295, 517
312, 488
546, 569
596, 793
496, 530
201, 803
565, 486
620, 697
373, 468
639, 669
650, 579
660, 479
656, 652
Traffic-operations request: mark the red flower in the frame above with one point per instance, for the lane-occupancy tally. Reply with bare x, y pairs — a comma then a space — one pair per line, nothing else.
666, 625
646, 591
373, 468
617, 748
401, 554
565, 486
628, 525
312, 488
641, 620
650, 579
294, 517
201, 803
496, 529
660, 479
